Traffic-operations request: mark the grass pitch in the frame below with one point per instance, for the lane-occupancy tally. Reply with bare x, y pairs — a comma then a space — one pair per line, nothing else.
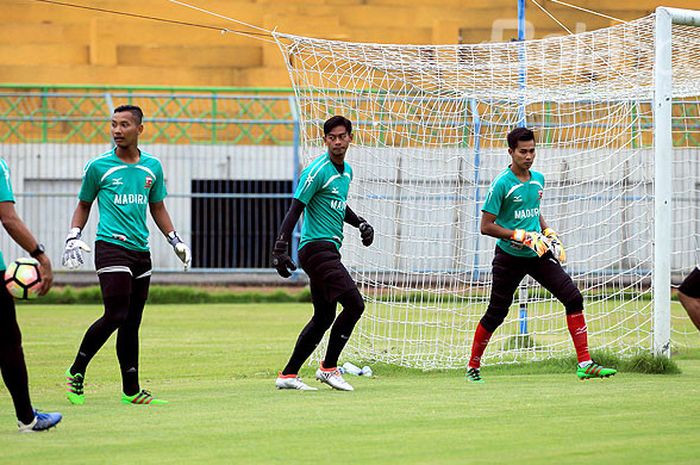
217, 364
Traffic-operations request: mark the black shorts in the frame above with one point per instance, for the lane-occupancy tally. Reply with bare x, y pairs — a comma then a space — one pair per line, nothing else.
508, 270
691, 284
112, 258
328, 278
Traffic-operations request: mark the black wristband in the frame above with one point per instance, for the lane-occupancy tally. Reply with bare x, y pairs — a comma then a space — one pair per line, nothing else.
40, 250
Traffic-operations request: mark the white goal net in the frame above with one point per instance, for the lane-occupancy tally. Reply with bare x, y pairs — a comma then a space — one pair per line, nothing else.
430, 127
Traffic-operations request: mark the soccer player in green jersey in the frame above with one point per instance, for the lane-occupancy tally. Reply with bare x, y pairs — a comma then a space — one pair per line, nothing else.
526, 246
12, 365
126, 182
322, 194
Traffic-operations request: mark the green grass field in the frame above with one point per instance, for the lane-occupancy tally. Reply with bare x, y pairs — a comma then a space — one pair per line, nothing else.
217, 363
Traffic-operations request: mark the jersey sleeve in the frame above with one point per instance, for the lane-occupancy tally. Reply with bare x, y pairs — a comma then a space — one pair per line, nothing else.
494, 199
158, 191
307, 187
6, 194
90, 185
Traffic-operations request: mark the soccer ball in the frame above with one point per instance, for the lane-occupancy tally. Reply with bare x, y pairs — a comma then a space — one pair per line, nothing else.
22, 278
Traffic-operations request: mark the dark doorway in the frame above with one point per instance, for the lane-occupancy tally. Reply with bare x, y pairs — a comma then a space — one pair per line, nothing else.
234, 222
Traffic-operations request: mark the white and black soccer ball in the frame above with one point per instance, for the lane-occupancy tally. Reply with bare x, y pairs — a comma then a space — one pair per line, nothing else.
23, 279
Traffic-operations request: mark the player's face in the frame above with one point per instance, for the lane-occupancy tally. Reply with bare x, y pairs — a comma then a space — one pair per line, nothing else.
125, 129
523, 155
338, 141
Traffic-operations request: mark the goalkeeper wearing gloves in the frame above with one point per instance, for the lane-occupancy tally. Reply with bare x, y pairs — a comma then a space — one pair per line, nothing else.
526, 246
125, 181
321, 194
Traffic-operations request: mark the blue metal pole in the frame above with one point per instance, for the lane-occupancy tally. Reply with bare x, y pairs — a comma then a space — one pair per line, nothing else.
522, 75
522, 317
476, 124
521, 20
522, 122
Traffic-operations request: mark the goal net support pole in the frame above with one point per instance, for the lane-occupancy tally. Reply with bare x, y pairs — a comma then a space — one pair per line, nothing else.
663, 158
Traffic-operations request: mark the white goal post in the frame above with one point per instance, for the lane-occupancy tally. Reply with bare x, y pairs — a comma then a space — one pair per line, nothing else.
663, 149
617, 121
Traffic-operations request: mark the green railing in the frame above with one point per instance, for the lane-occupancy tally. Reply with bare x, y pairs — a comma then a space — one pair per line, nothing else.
236, 116
175, 115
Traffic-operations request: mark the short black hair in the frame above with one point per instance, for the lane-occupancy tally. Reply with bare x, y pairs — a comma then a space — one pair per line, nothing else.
133, 109
519, 134
337, 121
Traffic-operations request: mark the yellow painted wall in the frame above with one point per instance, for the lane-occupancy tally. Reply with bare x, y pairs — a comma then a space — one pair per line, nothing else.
41, 43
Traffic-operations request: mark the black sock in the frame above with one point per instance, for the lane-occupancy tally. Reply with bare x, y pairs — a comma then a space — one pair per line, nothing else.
95, 337
116, 299
340, 333
79, 364
353, 306
307, 342
130, 381
311, 335
14, 373
128, 337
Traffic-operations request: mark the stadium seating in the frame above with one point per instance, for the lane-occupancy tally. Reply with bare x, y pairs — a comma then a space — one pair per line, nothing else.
42, 43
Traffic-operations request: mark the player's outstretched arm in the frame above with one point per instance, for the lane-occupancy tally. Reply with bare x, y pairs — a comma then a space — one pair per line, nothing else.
162, 219
19, 232
366, 230
281, 261
73, 252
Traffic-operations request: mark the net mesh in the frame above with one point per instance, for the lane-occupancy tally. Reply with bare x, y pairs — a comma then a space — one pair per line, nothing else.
430, 128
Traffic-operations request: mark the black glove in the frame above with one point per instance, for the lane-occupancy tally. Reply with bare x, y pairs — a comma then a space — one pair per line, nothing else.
366, 232
281, 260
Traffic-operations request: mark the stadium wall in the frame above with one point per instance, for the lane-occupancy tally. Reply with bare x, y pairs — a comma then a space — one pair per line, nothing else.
417, 232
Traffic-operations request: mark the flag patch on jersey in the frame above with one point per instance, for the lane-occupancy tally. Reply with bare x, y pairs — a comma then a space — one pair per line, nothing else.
540, 193
149, 182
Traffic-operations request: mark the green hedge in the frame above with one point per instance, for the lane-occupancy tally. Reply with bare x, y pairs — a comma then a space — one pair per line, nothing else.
176, 295
160, 294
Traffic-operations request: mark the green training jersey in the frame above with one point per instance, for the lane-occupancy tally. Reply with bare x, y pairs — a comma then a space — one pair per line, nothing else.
323, 188
516, 205
123, 192
5, 194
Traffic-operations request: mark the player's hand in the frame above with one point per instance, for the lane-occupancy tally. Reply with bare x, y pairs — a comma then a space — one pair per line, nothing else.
555, 245
281, 260
46, 273
366, 232
73, 252
181, 249
533, 240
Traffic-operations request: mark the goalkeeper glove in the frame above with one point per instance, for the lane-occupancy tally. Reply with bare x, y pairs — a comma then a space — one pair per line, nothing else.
366, 232
555, 245
533, 240
181, 249
281, 260
73, 252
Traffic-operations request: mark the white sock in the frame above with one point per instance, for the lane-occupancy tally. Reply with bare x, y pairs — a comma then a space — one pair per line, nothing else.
585, 364
27, 428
